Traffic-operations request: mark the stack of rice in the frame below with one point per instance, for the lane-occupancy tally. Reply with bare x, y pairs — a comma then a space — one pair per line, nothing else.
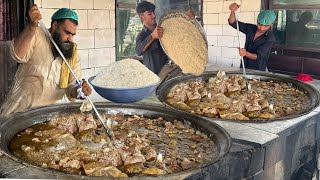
183, 42
127, 73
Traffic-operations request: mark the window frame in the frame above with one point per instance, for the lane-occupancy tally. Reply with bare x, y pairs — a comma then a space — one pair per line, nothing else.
269, 5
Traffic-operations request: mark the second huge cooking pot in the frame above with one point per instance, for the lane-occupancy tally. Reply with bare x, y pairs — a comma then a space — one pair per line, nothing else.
310, 91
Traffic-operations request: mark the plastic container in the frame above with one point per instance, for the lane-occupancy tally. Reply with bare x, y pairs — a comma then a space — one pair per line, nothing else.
124, 95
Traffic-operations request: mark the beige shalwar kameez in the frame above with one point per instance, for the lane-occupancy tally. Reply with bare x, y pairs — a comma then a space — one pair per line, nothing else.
37, 78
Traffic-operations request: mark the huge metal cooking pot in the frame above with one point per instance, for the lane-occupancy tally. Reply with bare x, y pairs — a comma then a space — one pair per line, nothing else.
310, 91
12, 125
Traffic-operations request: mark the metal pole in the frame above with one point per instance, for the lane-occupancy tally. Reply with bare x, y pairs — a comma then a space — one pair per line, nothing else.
242, 61
238, 33
87, 97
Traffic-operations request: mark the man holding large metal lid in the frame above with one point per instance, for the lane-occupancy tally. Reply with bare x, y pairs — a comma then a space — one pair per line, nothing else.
43, 77
147, 41
259, 38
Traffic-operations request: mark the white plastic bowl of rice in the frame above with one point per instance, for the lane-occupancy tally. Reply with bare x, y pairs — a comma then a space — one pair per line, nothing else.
125, 81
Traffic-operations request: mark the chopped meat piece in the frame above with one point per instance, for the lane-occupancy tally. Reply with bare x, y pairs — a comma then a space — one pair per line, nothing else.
233, 87
28, 130
221, 98
133, 168
209, 110
68, 123
196, 138
203, 92
237, 106
110, 156
227, 114
65, 142
90, 168
263, 103
88, 123
187, 164
36, 140
135, 158
75, 164
153, 171
267, 116
53, 165
289, 110
101, 169
220, 88
168, 126
193, 95
109, 172
253, 107
149, 153
173, 168
179, 124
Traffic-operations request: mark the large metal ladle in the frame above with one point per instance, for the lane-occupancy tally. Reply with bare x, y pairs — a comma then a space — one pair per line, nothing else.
87, 97
242, 61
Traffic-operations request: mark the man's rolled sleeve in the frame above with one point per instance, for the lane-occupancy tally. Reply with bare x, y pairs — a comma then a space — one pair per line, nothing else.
29, 53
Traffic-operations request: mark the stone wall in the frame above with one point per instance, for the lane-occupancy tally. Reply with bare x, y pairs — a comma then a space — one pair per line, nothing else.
96, 30
222, 38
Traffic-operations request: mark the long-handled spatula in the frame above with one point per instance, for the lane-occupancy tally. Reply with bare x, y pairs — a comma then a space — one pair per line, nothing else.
87, 97
242, 61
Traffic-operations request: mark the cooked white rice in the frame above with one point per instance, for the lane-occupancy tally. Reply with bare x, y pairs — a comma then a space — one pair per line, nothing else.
127, 73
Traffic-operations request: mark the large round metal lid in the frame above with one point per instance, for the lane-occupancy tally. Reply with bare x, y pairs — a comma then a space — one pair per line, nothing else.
184, 41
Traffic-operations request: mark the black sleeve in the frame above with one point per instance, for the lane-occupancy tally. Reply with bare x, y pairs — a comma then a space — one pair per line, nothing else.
242, 26
141, 41
263, 52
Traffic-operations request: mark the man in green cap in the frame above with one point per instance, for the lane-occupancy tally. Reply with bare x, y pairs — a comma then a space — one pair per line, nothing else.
259, 38
43, 78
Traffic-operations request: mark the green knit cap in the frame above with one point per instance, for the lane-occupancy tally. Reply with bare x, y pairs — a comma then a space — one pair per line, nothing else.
65, 13
266, 17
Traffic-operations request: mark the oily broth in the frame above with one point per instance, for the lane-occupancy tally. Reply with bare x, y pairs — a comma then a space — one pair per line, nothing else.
174, 144
267, 99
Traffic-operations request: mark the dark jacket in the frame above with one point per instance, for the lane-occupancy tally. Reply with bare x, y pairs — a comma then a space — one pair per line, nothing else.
154, 57
261, 46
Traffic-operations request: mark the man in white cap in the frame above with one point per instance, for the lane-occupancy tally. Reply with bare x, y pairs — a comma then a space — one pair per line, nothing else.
259, 38
43, 78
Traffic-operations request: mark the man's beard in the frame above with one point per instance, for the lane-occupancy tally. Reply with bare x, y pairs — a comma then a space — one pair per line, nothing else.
65, 47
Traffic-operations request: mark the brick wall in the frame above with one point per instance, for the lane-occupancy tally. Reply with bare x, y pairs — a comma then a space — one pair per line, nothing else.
96, 30
222, 38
